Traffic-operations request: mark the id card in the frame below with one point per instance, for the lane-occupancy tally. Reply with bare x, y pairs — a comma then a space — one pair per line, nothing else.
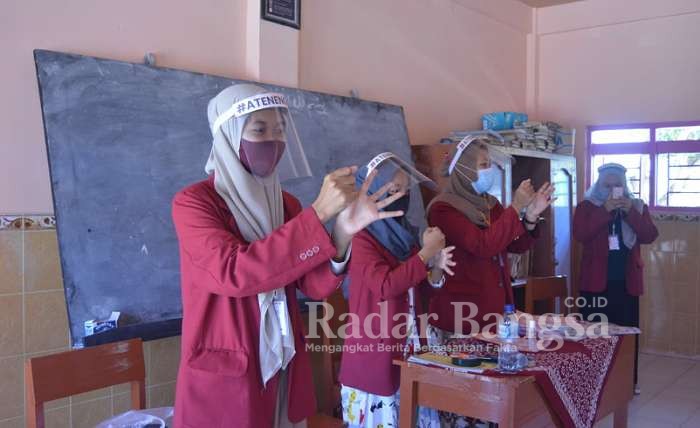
613, 242
281, 312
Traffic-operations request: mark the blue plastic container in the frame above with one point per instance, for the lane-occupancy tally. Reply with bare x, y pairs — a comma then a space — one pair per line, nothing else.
501, 120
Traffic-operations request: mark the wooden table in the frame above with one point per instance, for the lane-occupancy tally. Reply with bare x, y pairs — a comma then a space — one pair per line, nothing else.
513, 401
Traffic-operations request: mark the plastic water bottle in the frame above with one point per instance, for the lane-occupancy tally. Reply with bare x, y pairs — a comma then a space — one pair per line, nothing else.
508, 357
514, 326
508, 328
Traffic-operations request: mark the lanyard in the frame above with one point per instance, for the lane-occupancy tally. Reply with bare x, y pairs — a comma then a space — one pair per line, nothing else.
503, 282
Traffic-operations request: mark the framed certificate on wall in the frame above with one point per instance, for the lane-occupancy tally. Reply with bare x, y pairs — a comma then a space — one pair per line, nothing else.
285, 12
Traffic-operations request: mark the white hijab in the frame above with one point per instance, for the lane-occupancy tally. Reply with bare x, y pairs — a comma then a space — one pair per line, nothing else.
257, 205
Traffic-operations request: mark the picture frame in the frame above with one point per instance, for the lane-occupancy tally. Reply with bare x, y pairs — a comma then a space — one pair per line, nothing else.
284, 12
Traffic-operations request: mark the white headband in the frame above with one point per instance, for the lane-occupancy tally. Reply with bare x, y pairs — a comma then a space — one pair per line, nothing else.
461, 146
249, 105
374, 163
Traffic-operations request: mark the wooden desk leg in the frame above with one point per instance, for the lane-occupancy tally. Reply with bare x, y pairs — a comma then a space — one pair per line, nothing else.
620, 418
407, 406
508, 421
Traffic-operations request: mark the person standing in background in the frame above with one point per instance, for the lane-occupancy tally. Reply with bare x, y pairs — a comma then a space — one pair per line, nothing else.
611, 225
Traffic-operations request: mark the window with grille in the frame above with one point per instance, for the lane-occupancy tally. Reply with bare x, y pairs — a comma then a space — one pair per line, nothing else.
662, 161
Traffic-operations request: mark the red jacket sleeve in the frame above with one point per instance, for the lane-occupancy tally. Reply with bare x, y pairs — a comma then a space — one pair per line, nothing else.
320, 282
589, 221
525, 241
461, 232
383, 280
234, 268
643, 225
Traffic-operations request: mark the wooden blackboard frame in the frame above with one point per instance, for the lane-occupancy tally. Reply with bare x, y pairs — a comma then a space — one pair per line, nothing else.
102, 117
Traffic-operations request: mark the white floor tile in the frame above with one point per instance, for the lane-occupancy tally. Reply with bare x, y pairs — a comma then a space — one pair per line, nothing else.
646, 359
668, 367
650, 423
668, 408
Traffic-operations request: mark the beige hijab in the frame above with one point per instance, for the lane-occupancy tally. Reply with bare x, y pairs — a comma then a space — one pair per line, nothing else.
257, 205
459, 191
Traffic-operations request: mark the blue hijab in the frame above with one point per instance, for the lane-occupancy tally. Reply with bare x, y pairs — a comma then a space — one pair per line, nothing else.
396, 234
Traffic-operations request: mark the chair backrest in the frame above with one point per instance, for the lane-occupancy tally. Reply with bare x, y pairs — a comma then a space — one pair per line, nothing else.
331, 360
75, 372
543, 292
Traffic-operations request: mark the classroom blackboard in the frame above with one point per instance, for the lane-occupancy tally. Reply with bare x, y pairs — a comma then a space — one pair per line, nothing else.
123, 138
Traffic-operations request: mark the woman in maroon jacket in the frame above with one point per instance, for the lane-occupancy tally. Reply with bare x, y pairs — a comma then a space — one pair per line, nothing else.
483, 232
387, 265
612, 225
245, 247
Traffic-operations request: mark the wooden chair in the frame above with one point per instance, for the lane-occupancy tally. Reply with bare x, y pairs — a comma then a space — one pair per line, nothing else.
541, 294
75, 372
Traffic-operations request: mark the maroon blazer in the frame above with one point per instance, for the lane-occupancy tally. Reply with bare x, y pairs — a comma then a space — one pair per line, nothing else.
478, 274
377, 276
591, 230
219, 382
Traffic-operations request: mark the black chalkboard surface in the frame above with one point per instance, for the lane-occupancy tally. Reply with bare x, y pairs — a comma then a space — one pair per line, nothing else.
123, 138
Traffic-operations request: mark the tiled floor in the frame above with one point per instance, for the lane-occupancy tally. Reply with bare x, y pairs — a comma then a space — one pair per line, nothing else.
670, 394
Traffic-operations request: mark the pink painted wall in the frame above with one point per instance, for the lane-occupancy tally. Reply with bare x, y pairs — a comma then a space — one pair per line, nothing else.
206, 36
603, 62
446, 62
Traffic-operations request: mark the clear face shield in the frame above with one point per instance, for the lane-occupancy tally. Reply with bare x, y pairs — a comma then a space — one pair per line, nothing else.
481, 164
269, 142
394, 175
397, 174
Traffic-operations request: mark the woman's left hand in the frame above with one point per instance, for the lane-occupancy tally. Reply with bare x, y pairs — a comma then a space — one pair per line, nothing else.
543, 199
443, 260
367, 208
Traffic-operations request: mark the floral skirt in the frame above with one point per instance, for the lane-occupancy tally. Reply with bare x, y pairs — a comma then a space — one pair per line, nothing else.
362, 409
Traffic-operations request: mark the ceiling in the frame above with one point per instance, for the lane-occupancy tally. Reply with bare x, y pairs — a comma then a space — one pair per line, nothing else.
545, 3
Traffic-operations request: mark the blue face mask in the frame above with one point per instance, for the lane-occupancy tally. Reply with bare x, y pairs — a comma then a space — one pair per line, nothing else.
485, 180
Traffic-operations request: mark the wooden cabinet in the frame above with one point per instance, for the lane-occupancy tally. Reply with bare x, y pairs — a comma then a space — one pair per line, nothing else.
552, 254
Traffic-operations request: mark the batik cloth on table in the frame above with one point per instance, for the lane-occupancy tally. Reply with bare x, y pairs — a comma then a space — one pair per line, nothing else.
571, 378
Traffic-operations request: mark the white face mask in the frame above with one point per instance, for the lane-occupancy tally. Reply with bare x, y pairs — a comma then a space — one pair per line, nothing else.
485, 178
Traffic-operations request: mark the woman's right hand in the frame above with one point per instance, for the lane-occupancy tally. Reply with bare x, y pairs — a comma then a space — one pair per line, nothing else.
433, 242
611, 204
337, 192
